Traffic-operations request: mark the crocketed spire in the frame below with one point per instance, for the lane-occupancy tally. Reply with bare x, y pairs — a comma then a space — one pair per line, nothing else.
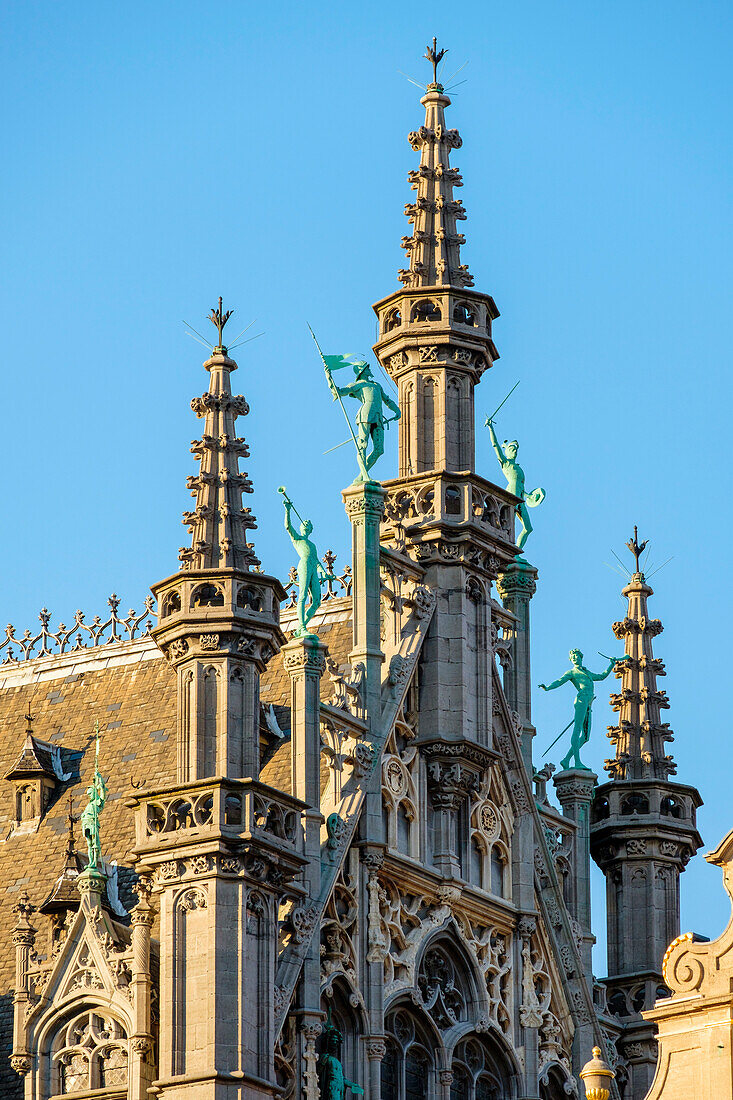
434, 249
640, 735
219, 523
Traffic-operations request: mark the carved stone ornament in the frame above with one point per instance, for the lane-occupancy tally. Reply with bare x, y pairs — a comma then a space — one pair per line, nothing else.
142, 1045
177, 649
209, 641
636, 847
168, 871
21, 1063
376, 1049
303, 921
230, 865
488, 820
193, 899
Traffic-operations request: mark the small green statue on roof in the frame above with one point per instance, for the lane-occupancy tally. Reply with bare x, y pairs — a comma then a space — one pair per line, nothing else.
331, 1079
582, 679
514, 475
370, 419
97, 795
310, 573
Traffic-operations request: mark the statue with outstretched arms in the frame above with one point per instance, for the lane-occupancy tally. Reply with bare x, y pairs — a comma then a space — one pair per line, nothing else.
582, 680
514, 475
310, 572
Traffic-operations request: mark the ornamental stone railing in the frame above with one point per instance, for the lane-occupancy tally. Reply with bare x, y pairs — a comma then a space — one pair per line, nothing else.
332, 589
236, 808
450, 498
48, 642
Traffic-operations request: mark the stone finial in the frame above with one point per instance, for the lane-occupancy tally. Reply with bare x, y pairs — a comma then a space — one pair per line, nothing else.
597, 1076
23, 910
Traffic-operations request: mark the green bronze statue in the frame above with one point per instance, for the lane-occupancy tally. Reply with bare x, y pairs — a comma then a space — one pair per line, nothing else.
331, 1079
514, 475
97, 796
370, 419
581, 679
310, 572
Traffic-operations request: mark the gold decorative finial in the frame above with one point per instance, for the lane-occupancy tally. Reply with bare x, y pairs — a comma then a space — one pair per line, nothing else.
434, 56
637, 548
219, 318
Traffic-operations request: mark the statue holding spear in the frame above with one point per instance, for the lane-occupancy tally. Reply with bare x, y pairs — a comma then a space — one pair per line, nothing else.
370, 420
514, 475
310, 572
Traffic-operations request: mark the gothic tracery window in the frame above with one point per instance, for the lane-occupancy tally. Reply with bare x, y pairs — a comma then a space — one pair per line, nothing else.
479, 1072
408, 1067
90, 1051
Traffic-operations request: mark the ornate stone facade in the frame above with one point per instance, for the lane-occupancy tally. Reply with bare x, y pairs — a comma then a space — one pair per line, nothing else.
339, 845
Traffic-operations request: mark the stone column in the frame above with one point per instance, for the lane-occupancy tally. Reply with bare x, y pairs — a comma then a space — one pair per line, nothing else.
516, 586
445, 1080
574, 789
376, 1048
24, 938
311, 1029
142, 919
364, 503
305, 661
530, 1013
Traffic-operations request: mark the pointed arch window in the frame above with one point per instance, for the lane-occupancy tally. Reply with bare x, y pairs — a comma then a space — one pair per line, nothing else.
90, 1052
480, 1072
408, 1067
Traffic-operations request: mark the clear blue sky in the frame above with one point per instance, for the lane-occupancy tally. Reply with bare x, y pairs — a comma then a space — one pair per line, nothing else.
158, 155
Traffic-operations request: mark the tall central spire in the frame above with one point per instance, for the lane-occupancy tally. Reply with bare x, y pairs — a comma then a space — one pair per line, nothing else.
434, 248
434, 334
219, 523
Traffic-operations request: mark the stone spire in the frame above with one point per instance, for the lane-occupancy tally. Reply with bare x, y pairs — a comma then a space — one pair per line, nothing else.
640, 735
434, 335
434, 247
218, 524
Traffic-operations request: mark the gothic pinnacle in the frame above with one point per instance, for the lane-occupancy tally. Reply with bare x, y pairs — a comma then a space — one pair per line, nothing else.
434, 248
218, 524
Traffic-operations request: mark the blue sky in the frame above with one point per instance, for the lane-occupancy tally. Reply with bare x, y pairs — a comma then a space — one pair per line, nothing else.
157, 156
